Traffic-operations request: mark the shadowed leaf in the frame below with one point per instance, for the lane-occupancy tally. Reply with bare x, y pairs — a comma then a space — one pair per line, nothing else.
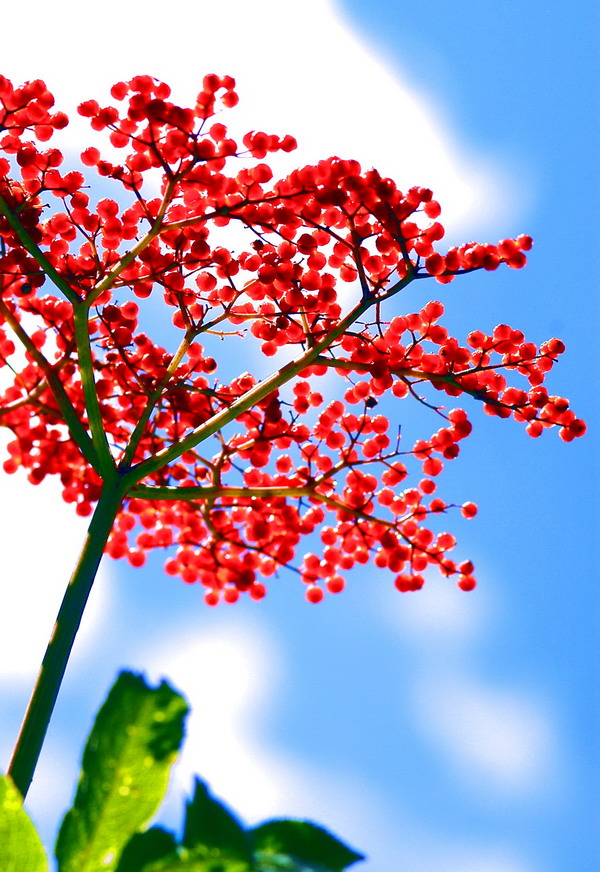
210, 824
310, 847
144, 848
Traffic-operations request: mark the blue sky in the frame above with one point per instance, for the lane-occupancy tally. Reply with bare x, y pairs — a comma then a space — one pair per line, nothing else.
438, 731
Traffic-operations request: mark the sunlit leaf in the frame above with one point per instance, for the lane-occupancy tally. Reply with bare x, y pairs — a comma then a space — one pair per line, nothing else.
124, 776
21, 849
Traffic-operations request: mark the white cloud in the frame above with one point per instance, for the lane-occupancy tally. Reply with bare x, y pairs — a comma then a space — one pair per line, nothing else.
231, 678
440, 616
300, 70
226, 677
499, 740
493, 736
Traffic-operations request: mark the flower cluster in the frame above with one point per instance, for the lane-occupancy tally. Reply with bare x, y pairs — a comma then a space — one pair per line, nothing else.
228, 472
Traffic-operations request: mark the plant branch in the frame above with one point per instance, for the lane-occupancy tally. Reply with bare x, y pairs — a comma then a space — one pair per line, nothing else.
253, 396
37, 717
153, 399
108, 281
212, 492
37, 254
92, 403
76, 428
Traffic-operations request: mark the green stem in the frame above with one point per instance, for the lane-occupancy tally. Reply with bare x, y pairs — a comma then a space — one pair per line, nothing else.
36, 252
109, 280
207, 492
39, 711
153, 399
76, 428
92, 403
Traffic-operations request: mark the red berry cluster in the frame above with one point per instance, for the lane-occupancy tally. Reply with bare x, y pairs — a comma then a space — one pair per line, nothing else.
28, 108
229, 474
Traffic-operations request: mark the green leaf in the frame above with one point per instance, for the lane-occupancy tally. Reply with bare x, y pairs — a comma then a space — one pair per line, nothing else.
21, 848
144, 848
125, 769
209, 824
197, 861
310, 847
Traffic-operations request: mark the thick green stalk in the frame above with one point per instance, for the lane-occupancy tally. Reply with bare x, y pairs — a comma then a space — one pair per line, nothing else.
37, 717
